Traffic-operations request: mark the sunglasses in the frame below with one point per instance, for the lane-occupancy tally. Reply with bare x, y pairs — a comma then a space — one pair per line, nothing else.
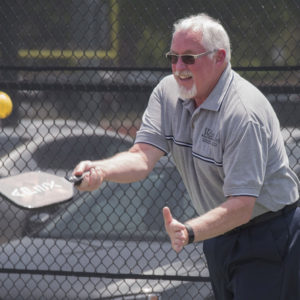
188, 59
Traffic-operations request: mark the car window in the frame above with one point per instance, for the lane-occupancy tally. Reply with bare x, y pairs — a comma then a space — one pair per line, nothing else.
127, 211
67, 152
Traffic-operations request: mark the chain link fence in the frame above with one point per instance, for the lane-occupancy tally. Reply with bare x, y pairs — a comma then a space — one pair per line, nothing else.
79, 74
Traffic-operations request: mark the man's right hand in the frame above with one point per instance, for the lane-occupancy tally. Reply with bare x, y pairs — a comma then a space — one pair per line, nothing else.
93, 177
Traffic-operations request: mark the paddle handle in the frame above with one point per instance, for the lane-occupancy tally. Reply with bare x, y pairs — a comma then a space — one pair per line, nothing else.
76, 180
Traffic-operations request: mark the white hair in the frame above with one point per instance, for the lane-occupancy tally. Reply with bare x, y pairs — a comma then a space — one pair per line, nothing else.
214, 36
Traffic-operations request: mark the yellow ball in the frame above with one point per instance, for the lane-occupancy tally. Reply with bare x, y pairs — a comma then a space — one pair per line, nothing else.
6, 105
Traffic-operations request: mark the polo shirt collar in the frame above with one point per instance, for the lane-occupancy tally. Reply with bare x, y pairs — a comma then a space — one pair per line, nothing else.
216, 97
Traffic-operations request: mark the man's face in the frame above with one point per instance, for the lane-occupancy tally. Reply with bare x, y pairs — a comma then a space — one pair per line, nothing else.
194, 80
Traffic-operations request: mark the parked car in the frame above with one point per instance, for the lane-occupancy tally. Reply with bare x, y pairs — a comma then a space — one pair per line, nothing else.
108, 244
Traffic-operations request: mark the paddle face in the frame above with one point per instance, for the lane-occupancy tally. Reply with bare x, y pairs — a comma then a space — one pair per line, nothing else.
36, 189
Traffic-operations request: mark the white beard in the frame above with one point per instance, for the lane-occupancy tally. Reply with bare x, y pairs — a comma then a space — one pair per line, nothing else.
187, 94
184, 93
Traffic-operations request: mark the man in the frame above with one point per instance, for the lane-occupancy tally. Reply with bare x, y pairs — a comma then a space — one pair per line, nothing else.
226, 143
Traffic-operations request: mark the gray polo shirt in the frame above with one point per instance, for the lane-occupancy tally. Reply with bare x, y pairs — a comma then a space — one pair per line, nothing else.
230, 145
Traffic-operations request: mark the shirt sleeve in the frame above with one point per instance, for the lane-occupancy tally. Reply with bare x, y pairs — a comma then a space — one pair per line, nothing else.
152, 127
244, 161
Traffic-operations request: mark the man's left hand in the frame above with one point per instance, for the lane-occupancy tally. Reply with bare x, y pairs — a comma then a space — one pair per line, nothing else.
176, 230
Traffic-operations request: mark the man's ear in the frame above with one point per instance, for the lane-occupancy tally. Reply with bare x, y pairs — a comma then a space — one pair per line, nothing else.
220, 56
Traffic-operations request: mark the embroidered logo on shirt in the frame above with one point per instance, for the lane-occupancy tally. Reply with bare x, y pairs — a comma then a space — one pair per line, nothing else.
210, 137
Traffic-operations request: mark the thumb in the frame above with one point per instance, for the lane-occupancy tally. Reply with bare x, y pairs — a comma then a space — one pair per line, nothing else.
167, 215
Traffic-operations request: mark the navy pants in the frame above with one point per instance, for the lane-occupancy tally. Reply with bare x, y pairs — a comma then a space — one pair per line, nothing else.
259, 262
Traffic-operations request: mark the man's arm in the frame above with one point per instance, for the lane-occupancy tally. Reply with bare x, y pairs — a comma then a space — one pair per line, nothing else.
125, 167
234, 212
